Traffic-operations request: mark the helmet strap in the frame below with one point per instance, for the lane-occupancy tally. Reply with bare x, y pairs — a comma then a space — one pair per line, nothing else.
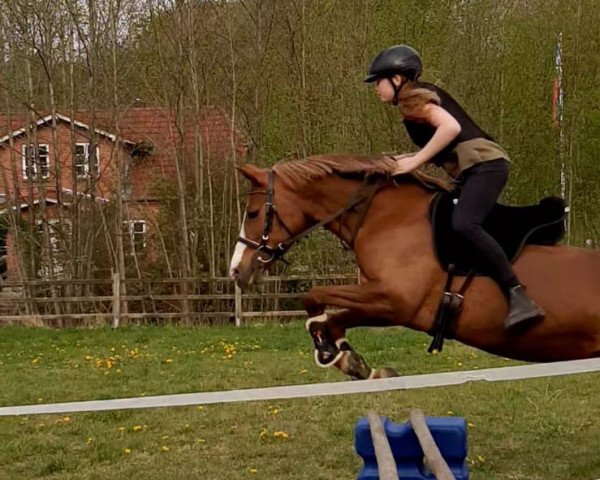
397, 89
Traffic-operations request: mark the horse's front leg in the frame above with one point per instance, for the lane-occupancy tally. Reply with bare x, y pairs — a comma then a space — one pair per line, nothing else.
365, 305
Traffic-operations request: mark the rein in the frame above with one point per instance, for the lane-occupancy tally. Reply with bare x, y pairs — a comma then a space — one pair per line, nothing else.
277, 252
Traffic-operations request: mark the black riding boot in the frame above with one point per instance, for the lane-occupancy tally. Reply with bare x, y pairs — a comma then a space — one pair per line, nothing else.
522, 308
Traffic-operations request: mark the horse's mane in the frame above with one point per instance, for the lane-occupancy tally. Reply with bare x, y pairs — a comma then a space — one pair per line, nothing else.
298, 173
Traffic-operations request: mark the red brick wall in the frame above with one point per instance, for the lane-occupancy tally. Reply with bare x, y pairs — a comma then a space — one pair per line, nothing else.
11, 260
154, 126
61, 155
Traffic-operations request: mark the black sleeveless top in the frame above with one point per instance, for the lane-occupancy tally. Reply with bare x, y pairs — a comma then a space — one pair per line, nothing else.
420, 133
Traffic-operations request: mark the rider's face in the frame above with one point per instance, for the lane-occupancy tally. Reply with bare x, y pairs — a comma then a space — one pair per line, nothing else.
384, 88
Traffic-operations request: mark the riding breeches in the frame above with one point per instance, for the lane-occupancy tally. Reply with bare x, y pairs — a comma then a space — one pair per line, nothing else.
481, 186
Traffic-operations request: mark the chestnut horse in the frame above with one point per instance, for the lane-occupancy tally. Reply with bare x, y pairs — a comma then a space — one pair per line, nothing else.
401, 280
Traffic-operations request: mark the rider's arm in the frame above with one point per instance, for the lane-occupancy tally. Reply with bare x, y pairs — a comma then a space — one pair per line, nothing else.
447, 128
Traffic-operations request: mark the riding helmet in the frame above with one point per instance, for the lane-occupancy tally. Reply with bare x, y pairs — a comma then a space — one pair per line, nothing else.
398, 59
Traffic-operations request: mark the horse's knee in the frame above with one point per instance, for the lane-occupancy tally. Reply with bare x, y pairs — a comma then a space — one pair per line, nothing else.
312, 305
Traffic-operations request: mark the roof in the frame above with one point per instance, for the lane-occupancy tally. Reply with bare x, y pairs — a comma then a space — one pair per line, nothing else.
18, 120
211, 129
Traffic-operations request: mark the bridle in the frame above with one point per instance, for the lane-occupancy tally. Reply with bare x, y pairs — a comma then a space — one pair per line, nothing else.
278, 251
271, 213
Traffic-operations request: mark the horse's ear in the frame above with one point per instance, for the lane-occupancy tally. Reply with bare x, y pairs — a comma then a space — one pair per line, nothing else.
256, 175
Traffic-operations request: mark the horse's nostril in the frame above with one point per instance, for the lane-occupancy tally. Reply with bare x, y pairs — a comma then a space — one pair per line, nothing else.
235, 273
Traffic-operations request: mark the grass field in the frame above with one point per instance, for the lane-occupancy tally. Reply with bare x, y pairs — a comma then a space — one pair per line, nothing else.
534, 429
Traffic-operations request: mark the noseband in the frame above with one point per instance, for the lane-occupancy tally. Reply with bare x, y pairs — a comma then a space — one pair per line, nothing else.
278, 251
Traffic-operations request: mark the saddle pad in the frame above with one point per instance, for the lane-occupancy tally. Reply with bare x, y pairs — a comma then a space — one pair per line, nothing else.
512, 226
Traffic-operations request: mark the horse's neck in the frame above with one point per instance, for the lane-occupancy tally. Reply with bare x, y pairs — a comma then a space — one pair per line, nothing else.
330, 195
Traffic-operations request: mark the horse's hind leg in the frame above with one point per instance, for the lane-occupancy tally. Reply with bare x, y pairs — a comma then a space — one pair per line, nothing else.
363, 303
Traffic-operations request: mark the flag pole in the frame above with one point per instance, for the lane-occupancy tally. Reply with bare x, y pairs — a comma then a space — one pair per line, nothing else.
557, 116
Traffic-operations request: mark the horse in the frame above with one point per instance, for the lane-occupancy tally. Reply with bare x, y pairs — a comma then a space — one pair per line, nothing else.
400, 278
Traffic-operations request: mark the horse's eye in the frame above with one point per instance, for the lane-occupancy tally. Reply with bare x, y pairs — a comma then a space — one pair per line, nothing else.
252, 215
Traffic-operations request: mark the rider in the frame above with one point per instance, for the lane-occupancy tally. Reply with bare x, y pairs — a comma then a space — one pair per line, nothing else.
449, 138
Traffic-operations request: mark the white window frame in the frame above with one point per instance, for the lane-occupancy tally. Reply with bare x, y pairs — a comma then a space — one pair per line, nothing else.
86, 164
34, 165
57, 265
53, 225
131, 229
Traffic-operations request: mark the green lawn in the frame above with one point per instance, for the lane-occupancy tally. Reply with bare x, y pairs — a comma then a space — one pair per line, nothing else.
535, 429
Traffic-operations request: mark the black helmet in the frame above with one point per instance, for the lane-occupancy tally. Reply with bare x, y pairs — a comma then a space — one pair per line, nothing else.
400, 59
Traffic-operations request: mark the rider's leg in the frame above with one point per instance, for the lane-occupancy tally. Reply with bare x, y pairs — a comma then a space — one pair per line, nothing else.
481, 187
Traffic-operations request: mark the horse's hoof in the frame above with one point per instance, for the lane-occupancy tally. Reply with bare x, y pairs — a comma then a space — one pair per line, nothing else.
385, 372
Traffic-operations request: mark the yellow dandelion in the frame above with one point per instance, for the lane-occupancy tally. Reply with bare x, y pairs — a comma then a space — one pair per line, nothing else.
169, 360
280, 434
253, 471
164, 448
200, 407
263, 433
187, 425
459, 364
35, 361
450, 412
89, 357
200, 440
66, 419
127, 451
121, 429
470, 425
275, 411
89, 440
481, 459
165, 437
137, 428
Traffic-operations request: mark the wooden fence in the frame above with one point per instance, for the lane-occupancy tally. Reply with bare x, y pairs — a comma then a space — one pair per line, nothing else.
187, 300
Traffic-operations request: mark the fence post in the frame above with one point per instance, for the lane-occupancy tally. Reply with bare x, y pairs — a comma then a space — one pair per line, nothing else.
116, 303
238, 306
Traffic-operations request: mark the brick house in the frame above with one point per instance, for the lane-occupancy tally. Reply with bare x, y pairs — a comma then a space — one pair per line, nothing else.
64, 168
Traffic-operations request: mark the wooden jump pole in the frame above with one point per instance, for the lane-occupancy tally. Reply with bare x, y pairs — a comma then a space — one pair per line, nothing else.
436, 462
383, 452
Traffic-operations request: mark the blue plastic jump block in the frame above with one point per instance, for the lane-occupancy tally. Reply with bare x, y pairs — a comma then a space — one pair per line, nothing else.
449, 433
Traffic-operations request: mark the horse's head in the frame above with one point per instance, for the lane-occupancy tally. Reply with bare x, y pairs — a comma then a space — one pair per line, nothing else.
272, 216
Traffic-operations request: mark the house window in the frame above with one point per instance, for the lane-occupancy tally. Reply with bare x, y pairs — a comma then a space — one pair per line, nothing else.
58, 233
35, 165
137, 234
83, 161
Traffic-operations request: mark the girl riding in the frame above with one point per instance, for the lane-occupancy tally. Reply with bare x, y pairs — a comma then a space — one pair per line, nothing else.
449, 138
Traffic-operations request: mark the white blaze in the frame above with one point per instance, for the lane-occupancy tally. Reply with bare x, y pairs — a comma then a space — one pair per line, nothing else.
238, 253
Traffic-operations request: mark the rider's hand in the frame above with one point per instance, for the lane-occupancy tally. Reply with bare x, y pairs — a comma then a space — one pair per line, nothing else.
404, 163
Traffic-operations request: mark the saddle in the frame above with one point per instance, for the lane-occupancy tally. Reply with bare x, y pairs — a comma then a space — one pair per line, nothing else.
513, 227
